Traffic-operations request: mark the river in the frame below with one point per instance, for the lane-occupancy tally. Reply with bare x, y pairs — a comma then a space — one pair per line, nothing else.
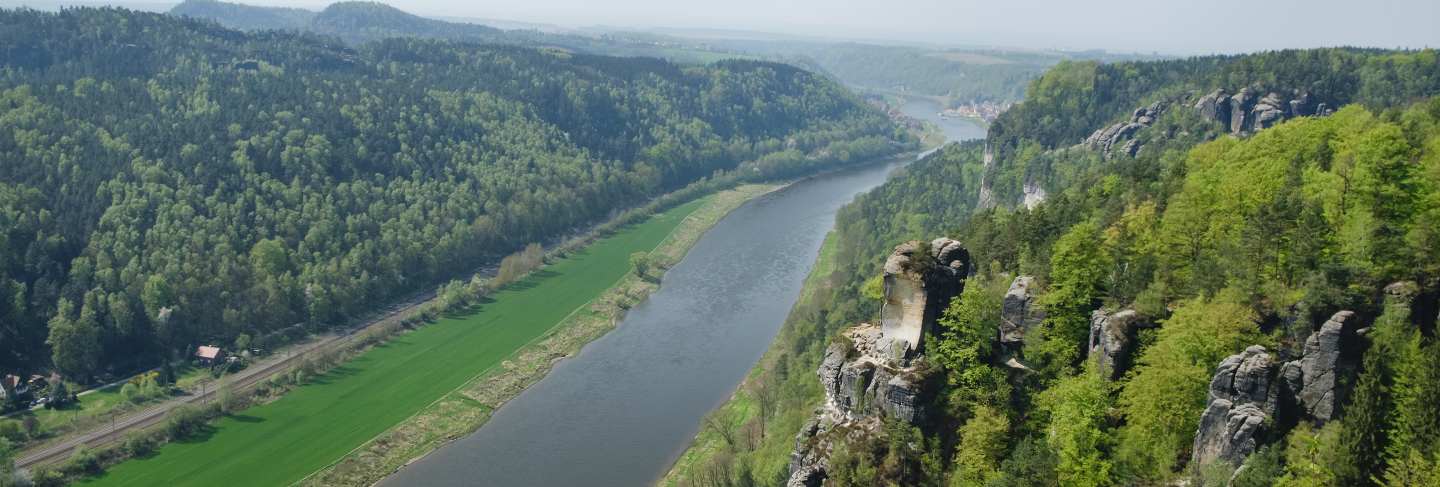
626, 406
955, 129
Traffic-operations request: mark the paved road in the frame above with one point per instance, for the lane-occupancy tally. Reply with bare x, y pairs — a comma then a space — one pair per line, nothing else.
240, 381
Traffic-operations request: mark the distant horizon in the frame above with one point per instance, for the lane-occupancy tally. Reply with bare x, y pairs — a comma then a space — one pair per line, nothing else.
1390, 32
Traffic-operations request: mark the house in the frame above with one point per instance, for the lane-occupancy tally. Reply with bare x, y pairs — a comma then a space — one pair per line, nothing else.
208, 355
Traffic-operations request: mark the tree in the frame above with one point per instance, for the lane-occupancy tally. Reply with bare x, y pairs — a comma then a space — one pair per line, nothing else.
640, 261
981, 449
1077, 407
1078, 268
1167, 391
75, 342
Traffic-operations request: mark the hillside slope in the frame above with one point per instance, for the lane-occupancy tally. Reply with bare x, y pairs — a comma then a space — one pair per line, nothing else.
1131, 352
219, 184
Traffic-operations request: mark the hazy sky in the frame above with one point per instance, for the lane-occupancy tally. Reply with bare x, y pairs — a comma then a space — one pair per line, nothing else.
1168, 26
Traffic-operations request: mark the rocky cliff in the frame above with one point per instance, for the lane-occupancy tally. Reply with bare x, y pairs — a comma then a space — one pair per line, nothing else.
1253, 393
872, 372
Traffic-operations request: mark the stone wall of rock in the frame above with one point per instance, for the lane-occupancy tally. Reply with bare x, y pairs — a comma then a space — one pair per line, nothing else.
1112, 337
919, 283
878, 372
1242, 396
1119, 138
1019, 312
1253, 390
1313, 378
1247, 111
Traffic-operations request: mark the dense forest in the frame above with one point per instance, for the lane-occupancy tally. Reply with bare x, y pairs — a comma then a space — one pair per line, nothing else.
168, 181
1216, 241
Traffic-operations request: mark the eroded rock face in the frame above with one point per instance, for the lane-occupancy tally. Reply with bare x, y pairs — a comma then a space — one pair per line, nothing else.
1248, 111
1312, 378
919, 283
874, 373
1215, 106
1018, 312
1112, 339
1242, 396
1119, 138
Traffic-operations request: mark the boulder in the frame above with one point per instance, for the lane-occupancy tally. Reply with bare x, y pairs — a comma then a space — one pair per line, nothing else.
1312, 378
1112, 339
1241, 398
1018, 312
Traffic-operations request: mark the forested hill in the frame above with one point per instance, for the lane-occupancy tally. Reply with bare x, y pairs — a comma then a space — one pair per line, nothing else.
245, 17
358, 22
168, 181
1257, 289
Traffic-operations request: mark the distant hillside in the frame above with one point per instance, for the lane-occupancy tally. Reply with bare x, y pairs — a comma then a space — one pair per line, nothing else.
358, 22
245, 17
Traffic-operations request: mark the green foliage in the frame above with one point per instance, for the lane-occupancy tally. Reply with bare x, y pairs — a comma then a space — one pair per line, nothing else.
1261, 469
1311, 457
983, 444
966, 347
1078, 268
1077, 408
1166, 392
217, 183
874, 288
640, 262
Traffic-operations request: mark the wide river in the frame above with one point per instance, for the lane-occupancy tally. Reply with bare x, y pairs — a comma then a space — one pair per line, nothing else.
625, 407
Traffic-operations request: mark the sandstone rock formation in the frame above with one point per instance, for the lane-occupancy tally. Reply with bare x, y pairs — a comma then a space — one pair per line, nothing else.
1019, 312
877, 372
1312, 378
1247, 111
1242, 397
919, 283
1121, 135
1112, 339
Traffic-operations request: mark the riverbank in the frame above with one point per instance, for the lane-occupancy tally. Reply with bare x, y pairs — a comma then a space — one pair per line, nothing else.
307, 429
467, 408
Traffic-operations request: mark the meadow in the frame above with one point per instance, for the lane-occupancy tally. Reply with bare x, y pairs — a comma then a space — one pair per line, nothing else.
284, 441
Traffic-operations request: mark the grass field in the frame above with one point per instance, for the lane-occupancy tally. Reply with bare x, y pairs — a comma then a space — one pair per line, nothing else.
312, 426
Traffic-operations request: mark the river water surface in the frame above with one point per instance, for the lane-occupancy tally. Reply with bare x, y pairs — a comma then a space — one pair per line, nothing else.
623, 409
955, 129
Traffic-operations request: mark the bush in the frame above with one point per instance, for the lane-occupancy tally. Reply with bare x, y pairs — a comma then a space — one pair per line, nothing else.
82, 462
140, 444
46, 477
184, 422
11, 430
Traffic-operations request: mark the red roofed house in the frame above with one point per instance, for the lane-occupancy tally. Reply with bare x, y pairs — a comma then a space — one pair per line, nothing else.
208, 354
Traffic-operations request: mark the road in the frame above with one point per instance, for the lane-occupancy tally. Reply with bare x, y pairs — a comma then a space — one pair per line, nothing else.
239, 382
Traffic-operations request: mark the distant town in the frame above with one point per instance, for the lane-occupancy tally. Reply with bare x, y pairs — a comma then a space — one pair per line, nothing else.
985, 110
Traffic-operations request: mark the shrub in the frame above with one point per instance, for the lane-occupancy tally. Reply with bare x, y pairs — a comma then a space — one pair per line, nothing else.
184, 421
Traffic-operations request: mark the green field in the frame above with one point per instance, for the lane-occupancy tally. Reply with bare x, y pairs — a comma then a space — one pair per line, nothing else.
312, 426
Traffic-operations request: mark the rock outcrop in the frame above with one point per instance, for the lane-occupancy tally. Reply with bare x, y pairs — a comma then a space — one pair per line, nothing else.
1312, 378
919, 283
1112, 337
878, 372
1119, 137
1246, 111
1252, 391
1019, 312
1242, 397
